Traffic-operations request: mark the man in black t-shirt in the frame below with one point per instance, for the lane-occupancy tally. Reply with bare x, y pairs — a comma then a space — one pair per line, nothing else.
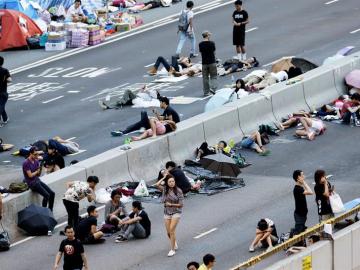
73, 250
5, 78
138, 224
181, 180
301, 189
209, 70
240, 19
87, 231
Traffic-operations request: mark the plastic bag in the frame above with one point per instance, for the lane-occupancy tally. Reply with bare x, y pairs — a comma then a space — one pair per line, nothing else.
336, 203
102, 196
141, 190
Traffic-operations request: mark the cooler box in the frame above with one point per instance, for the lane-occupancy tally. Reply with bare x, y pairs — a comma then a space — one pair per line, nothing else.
55, 46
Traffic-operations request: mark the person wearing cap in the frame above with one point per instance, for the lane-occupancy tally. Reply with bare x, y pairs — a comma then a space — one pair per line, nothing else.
32, 170
209, 71
138, 224
240, 19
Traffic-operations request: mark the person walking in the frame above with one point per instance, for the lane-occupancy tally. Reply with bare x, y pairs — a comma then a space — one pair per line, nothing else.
209, 72
5, 78
73, 250
323, 190
240, 19
32, 170
301, 190
186, 29
172, 198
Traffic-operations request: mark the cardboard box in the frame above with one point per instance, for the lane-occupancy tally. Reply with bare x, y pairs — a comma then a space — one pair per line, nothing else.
55, 46
122, 27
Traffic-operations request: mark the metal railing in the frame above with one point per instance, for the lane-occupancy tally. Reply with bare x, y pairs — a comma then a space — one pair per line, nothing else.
300, 237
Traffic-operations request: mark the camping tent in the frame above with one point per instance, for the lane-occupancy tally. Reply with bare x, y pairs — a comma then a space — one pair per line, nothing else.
15, 28
23, 6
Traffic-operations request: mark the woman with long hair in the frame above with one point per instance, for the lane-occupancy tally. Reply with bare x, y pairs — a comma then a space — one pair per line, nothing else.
323, 190
172, 198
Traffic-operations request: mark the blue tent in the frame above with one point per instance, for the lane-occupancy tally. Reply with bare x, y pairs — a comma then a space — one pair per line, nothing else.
23, 6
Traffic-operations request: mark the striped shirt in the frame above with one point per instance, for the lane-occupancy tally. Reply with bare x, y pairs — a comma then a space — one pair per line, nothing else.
171, 197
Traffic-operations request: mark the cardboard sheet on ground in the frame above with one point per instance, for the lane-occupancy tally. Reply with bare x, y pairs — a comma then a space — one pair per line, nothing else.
171, 79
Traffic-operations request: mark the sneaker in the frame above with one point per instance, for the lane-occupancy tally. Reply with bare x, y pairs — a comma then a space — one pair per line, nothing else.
265, 153
103, 105
251, 249
121, 239
176, 246
357, 122
1, 125
7, 121
193, 55
171, 253
269, 249
117, 133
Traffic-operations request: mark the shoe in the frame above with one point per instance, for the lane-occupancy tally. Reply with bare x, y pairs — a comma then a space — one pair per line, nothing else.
117, 133
265, 153
251, 249
121, 239
1, 125
7, 121
269, 249
103, 105
357, 122
193, 55
152, 71
171, 253
212, 92
176, 246
62, 233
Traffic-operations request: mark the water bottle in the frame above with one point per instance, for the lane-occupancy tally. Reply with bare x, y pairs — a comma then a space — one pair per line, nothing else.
232, 80
352, 120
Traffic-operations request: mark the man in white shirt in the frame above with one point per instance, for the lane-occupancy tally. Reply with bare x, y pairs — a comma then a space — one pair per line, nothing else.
75, 12
187, 33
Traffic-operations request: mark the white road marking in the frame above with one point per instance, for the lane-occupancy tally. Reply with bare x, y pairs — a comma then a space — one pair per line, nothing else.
330, 2
53, 99
205, 233
77, 153
7, 161
210, 6
73, 91
355, 31
149, 65
139, 30
56, 227
251, 29
70, 139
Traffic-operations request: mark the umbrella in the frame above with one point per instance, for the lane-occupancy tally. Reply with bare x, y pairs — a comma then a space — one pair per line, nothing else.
353, 78
36, 220
345, 51
286, 62
220, 98
221, 164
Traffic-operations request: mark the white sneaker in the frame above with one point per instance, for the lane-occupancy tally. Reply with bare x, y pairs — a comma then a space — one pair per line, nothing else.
269, 249
176, 246
251, 249
171, 253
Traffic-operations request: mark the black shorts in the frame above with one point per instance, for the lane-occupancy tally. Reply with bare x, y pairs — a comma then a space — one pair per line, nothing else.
239, 36
154, 4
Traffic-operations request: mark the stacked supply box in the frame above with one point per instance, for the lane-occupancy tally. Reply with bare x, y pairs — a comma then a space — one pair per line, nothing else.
94, 35
79, 38
68, 30
55, 41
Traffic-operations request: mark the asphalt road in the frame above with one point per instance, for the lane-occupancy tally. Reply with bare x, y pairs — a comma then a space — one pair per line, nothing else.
56, 98
234, 214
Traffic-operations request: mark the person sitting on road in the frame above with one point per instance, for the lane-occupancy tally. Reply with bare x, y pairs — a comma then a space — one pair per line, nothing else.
176, 64
312, 127
254, 142
265, 236
192, 266
350, 110
138, 224
115, 209
53, 161
157, 128
181, 180
168, 114
5, 146
75, 12
235, 65
87, 231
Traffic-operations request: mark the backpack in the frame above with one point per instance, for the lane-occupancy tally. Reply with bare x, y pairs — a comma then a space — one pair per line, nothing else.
4, 240
183, 23
18, 187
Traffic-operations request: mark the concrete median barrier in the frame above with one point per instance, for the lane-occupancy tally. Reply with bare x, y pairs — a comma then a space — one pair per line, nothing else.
342, 250
287, 99
355, 240
183, 142
340, 69
319, 87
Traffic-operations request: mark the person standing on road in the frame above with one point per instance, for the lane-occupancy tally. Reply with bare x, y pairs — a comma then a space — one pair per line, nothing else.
32, 170
240, 19
172, 198
301, 189
186, 29
209, 71
5, 78
323, 191
208, 262
73, 250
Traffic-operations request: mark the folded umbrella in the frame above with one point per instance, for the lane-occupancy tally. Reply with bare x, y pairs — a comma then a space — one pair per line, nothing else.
36, 220
353, 78
221, 164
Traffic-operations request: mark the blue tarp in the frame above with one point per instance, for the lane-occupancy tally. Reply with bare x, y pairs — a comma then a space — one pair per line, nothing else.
23, 6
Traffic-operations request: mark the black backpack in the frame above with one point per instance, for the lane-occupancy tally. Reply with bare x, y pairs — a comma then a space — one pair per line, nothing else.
183, 23
4, 240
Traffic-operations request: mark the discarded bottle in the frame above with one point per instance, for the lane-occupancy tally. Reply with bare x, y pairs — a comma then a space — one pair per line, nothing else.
49, 233
232, 79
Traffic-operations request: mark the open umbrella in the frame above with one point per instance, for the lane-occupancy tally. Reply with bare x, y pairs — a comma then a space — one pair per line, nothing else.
36, 220
282, 64
353, 78
285, 63
220, 98
221, 164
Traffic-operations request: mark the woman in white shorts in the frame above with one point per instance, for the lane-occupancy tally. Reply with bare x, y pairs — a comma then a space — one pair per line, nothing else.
173, 198
312, 128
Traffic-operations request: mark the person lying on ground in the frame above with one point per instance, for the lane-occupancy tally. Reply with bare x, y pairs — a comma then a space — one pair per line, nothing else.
64, 147
157, 127
87, 231
75, 13
254, 142
138, 224
255, 77
147, 5
240, 88
53, 161
205, 150
168, 114
293, 120
5, 146
294, 72
115, 209
269, 79
312, 128
190, 71
235, 65
176, 64
296, 249
265, 236
328, 112
350, 110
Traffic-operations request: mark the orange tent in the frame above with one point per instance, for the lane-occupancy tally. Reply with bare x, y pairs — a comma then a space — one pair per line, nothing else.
15, 28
